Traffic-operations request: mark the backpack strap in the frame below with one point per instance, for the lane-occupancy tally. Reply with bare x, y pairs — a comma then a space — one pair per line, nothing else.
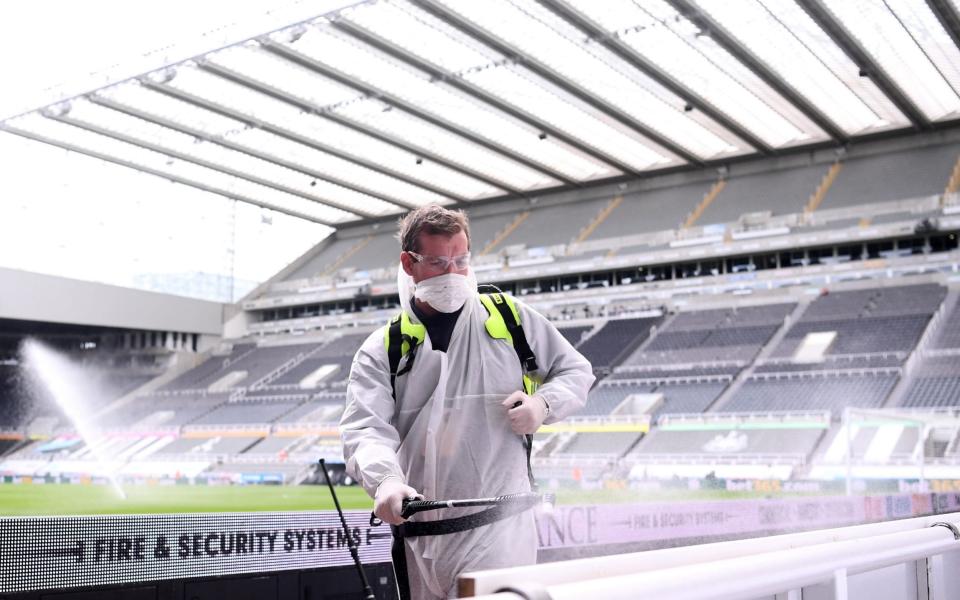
402, 337
504, 324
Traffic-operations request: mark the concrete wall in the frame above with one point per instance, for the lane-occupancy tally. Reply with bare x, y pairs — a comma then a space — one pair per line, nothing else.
46, 298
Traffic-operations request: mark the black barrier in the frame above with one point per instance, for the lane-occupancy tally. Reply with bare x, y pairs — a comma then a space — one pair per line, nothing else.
44, 553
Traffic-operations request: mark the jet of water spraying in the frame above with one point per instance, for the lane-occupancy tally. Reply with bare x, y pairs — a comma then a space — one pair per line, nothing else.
69, 386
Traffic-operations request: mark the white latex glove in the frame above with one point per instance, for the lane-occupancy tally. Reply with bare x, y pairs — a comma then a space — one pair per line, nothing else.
526, 413
388, 501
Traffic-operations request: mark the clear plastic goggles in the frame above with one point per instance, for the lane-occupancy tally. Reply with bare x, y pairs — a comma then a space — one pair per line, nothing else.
442, 263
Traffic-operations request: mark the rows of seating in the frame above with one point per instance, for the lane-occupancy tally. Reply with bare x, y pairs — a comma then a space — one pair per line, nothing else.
661, 205
867, 321
841, 362
936, 383
716, 335
615, 339
691, 362
206, 373
949, 336
656, 372
612, 444
810, 393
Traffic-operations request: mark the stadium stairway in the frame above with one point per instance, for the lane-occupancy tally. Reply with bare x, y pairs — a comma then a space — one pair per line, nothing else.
285, 367
820, 194
505, 232
930, 334
597, 220
765, 351
654, 331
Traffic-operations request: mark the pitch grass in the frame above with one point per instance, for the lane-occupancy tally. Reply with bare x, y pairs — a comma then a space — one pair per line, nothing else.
65, 499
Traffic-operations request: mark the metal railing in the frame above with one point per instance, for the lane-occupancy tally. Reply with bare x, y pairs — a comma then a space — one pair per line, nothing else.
784, 566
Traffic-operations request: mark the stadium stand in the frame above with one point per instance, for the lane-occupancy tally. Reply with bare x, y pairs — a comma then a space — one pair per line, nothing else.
575, 335
484, 229
711, 354
370, 254
892, 176
607, 346
329, 252
554, 224
201, 376
735, 334
936, 383
777, 192
12, 401
652, 210
833, 393
243, 413
610, 444
867, 321
949, 336
604, 398
688, 397
673, 372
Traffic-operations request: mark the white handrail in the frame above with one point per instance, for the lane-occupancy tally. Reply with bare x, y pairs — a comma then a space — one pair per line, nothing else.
728, 570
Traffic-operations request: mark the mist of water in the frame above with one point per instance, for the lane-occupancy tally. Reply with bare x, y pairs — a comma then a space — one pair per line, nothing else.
71, 389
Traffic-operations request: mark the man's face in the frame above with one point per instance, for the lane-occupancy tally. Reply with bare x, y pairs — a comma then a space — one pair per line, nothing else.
435, 249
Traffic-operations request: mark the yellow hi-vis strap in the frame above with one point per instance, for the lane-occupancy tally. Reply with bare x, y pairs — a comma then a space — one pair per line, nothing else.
498, 329
407, 329
402, 337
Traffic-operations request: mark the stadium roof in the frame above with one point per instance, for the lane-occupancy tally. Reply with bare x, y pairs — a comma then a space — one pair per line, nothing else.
381, 106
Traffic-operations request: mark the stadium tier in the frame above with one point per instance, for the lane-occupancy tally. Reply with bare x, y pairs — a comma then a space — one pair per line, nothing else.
763, 289
268, 409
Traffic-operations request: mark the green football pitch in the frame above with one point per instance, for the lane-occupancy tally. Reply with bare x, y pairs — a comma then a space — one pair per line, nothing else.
65, 499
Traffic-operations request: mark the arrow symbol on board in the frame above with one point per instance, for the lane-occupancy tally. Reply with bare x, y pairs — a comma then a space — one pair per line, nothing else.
76, 551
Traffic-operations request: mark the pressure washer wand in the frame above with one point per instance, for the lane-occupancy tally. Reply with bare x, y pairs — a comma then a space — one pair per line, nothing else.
412, 507
367, 590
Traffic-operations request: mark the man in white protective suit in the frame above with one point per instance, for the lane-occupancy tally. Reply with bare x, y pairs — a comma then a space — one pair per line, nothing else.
459, 421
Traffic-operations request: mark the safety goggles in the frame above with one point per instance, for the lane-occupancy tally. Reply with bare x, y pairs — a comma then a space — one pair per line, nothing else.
442, 263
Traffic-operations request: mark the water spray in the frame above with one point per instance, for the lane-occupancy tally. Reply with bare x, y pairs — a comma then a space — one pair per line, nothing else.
65, 382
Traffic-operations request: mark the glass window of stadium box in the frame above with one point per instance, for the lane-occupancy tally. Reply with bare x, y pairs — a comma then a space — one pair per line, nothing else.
817, 255
712, 267
916, 245
656, 272
943, 243
875, 249
794, 258
851, 252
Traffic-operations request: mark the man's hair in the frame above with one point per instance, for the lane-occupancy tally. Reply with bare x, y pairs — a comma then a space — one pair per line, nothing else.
432, 219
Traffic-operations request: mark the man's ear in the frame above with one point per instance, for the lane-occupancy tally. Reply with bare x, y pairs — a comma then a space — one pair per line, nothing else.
407, 261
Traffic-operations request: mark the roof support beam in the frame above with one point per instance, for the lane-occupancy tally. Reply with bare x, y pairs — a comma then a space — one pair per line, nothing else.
281, 132
80, 124
868, 66
648, 68
512, 53
728, 42
230, 145
948, 17
347, 80
156, 172
282, 96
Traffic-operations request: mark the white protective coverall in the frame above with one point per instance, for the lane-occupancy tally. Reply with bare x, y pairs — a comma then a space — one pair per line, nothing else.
448, 436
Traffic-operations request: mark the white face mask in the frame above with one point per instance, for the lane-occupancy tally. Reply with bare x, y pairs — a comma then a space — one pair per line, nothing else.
446, 293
